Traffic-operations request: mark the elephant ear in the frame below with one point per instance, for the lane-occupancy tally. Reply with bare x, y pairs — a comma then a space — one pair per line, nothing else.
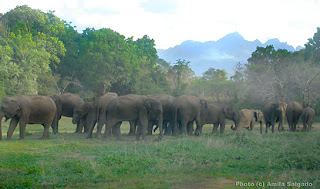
256, 114
86, 108
148, 105
15, 105
203, 103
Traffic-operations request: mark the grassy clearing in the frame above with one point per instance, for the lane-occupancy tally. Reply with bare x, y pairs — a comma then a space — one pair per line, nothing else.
71, 161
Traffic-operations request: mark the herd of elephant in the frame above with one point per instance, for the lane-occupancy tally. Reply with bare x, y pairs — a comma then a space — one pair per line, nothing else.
173, 115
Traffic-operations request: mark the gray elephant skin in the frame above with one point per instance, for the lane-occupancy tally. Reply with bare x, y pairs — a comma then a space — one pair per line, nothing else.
188, 109
293, 113
83, 114
66, 104
307, 117
218, 113
133, 108
246, 119
274, 112
28, 110
99, 113
167, 112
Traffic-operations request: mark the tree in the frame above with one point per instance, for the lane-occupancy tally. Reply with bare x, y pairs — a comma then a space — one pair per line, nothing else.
312, 51
180, 74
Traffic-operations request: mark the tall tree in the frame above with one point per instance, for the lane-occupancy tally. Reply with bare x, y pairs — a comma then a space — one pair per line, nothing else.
180, 74
312, 50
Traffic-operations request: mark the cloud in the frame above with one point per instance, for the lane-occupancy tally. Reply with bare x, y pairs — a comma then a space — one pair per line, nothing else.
159, 6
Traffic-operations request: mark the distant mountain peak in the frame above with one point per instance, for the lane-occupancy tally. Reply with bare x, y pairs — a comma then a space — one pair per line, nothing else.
224, 53
233, 36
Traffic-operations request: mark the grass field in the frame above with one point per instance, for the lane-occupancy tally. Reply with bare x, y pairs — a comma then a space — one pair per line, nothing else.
69, 160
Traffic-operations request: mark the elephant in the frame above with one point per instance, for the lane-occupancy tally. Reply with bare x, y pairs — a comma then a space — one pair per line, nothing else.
217, 114
307, 117
246, 119
66, 104
188, 109
133, 108
293, 112
99, 112
83, 113
167, 108
274, 112
25, 110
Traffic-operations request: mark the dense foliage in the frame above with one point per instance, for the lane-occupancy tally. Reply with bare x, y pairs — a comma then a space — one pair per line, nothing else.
41, 54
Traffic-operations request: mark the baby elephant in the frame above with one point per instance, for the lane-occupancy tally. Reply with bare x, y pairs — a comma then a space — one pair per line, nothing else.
246, 119
307, 118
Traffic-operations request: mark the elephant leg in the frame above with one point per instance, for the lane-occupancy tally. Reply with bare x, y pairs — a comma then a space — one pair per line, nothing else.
45, 134
117, 131
190, 128
12, 127
215, 128
184, 127
252, 126
91, 129
168, 128
272, 127
22, 125
309, 126
109, 126
267, 127
222, 125
133, 125
143, 120
304, 126
80, 126
177, 128
150, 127
100, 124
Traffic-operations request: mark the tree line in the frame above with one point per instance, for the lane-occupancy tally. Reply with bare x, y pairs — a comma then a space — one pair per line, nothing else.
42, 54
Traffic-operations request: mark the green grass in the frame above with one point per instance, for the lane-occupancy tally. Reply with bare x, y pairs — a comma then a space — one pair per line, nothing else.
69, 160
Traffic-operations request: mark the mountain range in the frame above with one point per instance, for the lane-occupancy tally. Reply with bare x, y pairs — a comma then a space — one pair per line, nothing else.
224, 53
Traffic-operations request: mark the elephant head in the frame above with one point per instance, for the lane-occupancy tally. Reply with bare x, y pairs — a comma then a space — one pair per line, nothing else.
79, 112
9, 108
258, 115
280, 109
230, 113
154, 109
202, 116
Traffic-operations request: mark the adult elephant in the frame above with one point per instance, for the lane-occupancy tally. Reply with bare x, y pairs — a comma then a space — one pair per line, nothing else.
133, 108
83, 114
28, 110
307, 117
246, 119
167, 112
274, 112
99, 112
188, 109
293, 112
66, 104
218, 113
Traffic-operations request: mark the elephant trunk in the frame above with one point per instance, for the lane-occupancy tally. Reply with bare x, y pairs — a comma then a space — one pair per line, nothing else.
75, 119
260, 127
281, 120
1, 116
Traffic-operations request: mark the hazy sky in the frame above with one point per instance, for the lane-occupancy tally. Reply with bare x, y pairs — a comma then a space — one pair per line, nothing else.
170, 22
